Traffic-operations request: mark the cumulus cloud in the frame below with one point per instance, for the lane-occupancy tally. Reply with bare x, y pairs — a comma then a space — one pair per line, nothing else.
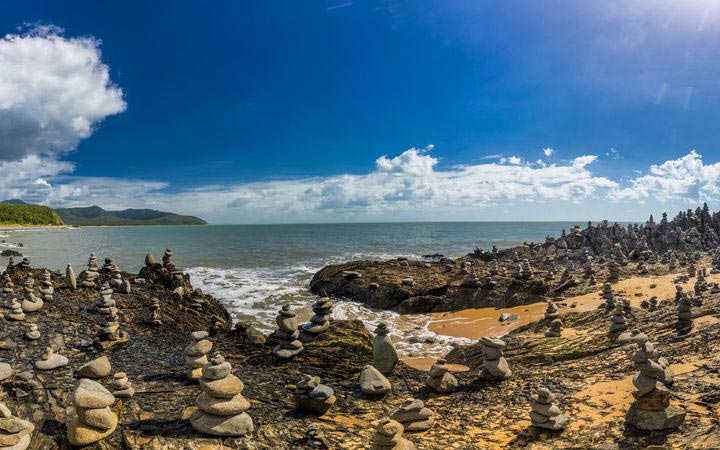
53, 92
548, 151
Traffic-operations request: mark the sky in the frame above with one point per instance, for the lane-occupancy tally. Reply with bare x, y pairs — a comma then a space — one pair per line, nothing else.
363, 111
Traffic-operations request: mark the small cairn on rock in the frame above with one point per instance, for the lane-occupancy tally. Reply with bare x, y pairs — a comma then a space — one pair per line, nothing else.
613, 270
551, 312
16, 311
252, 334
91, 418
167, 261
15, 433
287, 333
684, 313
619, 323
32, 333
372, 382
106, 304
526, 271
155, 316
315, 438
31, 302
92, 274
312, 396
440, 378
320, 321
385, 356
545, 413
122, 385
651, 410
8, 285
414, 416
50, 360
196, 354
221, 406
495, 366
110, 334
609, 297
70, 278
388, 436
46, 287
471, 280
109, 266
555, 330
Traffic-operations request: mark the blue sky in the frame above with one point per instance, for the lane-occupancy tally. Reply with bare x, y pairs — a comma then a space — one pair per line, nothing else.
278, 111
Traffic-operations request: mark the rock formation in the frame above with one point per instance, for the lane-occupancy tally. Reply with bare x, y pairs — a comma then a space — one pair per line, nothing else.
619, 323
385, 356
15, 433
320, 321
122, 386
312, 396
287, 333
373, 382
51, 360
555, 330
440, 379
414, 416
31, 302
196, 354
70, 278
545, 414
495, 366
91, 418
388, 436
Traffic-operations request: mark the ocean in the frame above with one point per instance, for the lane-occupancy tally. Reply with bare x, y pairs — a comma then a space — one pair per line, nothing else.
254, 269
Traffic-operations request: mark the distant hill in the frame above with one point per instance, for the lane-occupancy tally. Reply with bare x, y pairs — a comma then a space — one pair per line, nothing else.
95, 215
17, 212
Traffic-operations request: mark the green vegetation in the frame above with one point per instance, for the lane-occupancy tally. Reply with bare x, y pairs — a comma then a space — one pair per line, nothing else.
95, 215
24, 214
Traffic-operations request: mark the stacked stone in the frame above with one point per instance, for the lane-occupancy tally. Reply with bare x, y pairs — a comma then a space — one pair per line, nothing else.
652, 303
8, 285
155, 317
692, 270
471, 280
490, 283
312, 396
495, 366
91, 418
92, 274
50, 360
414, 416
117, 282
407, 281
551, 312
46, 287
15, 433
109, 266
32, 333
31, 302
555, 330
526, 271
673, 264
385, 356
252, 334
320, 321
111, 334
106, 304
315, 438
388, 436
221, 406
607, 294
440, 378
196, 354
24, 264
167, 261
684, 312
619, 322
122, 385
651, 410
613, 270
288, 334
545, 413
700, 284
70, 278
16, 311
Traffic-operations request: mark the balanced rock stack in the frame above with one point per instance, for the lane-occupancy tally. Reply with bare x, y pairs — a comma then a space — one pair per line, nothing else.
555, 330
414, 416
684, 312
526, 271
545, 414
385, 356
167, 261
15, 433
388, 436
92, 274
312, 396
122, 385
70, 278
106, 304
287, 333
8, 285
32, 333
91, 418
619, 323
50, 360
31, 302
551, 312
495, 366
16, 311
320, 321
46, 287
471, 280
196, 354
252, 334
109, 266
117, 282
651, 410
440, 378
221, 406
608, 296
111, 333
155, 316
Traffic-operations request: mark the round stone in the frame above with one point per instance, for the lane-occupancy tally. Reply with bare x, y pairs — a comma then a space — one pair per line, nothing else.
222, 406
91, 394
227, 387
238, 425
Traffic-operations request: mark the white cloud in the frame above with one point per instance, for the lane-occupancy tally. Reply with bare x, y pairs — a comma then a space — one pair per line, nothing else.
548, 151
515, 160
53, 92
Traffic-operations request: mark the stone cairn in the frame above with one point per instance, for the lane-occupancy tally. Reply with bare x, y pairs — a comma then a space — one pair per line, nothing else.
155, 316
117, 282
70, 278
252, 334
51, 360
110, 334
91, 418
545, 413
372, 382
471, 280
495, 366
92, 274
526, 271
613, 270
122, 385
8, 285
414, 416
651, 410
440, 378
31, 302
684, 312
32, 334
555, 330
315, 438
16, 311
312, 396
287, 333
167, 261
46, 287
15, 433
320, 321
619, 322
196, 354
551, 312
106, 304
388, 436
609, 297
221, 406
385, 356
